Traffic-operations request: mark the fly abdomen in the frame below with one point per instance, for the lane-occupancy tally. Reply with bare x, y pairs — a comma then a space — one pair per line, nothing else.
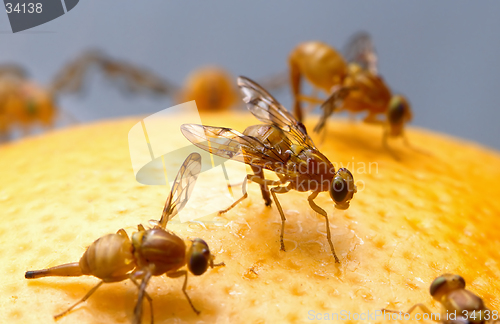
108, 258
63, 270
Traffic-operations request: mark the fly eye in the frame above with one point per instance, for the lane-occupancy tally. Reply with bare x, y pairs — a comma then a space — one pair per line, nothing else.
339, 189
398, 109
343, 188
199, 257
446, 282
436, 284
302, 128
460, 281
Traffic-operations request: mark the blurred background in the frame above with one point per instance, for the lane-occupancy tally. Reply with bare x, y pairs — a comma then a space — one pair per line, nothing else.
441, 55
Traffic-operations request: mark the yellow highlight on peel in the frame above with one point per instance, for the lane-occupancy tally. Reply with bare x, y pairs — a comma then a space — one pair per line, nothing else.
414, 219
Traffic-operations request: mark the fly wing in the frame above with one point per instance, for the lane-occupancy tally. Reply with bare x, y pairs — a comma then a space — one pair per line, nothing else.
331, 104
182, 188
268, 110
360, 50
13, 70
231, 144
135, 79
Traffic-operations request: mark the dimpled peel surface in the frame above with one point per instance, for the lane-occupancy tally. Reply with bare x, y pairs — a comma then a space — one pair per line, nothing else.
433, 211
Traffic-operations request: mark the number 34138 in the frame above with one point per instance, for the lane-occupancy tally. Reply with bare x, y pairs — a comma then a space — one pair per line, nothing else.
24, 8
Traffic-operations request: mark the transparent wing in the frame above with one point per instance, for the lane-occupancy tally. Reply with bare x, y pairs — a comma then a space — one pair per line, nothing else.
330, 105
275, 81
231, 144
72, 76
268, 110
182, 188
135, 79
360, 50
13, 70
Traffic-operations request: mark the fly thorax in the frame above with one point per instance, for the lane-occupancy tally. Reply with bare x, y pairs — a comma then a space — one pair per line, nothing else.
318, 164
163, 249
297, 149
462, 299
270, 135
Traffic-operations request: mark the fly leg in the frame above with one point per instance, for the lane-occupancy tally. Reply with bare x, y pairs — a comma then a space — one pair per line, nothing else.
424, 308
385, 143
323, 134
263, 187
184, 273
254, 178
150, 300
245, 195
142, 293
321, 211
295, 80
71, 270
372, 119
56, 317
274, 191
312, 105
412, 147
321, 125
63, 270
311, 99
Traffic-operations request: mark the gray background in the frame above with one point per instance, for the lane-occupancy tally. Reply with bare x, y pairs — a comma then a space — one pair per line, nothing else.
442, 55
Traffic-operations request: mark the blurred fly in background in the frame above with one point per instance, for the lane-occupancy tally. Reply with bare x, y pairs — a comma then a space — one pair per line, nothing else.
352, 84
441, 57
25, 104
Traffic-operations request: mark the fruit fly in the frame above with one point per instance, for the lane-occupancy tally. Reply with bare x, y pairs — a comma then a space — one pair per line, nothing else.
212, 88
24, 103
459, 305
281, 145
149, 252
12, 70
353, 86
360, 50
321, 65
131, 77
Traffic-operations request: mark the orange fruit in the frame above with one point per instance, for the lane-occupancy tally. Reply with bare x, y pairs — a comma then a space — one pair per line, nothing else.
411, 220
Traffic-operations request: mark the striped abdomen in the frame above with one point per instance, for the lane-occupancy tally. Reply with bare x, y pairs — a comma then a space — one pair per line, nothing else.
109, 258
